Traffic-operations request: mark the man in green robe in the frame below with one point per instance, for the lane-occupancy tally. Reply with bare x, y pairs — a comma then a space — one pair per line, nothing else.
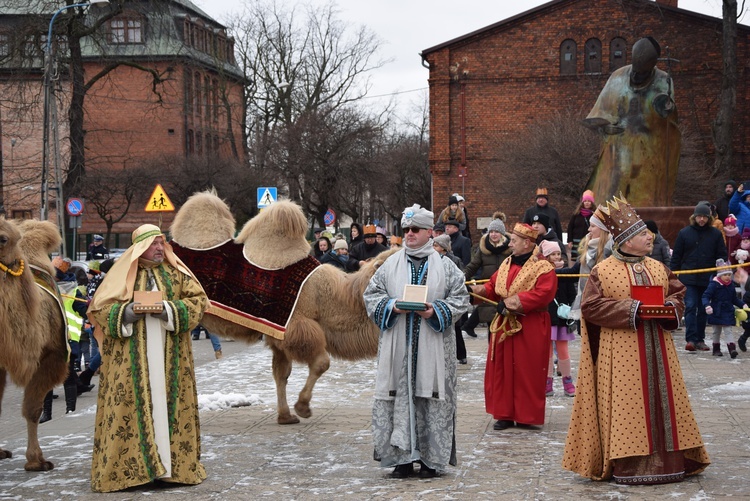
147, 425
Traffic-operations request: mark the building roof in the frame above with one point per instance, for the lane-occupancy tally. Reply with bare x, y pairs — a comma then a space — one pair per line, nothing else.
554, 4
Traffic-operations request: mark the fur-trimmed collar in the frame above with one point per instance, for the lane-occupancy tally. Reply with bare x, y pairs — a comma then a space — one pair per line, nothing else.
493, 249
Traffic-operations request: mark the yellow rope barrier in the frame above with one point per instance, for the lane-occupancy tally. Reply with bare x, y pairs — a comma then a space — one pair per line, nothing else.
74, 298
680, 272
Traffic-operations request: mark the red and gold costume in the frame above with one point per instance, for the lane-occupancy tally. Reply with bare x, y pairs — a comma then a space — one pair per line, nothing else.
516, 371
631, 418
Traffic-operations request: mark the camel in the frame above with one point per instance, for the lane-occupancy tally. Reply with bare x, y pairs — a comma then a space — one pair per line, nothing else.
330, 317
33, 343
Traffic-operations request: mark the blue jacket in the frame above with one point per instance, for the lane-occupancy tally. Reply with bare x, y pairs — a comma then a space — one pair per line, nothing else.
697, 247
722, 299
739, 206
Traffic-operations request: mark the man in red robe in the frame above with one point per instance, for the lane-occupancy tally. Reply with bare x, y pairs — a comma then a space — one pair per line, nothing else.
518, 355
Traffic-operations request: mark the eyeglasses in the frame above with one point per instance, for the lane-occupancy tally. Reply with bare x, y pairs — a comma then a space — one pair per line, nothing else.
413, 230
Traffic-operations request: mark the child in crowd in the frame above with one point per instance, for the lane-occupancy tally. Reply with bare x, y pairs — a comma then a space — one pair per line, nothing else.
719, 300
560, 335
732, 237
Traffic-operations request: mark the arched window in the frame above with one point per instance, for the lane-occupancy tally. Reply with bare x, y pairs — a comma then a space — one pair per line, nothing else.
618, 53
568, 58
593, 56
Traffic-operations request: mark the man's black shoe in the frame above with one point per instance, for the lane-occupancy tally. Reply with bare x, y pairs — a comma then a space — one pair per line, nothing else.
470, 332
403, 471
502, 424
426, 472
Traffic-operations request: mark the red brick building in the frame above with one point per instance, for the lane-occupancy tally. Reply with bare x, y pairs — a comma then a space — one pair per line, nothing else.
197, 110
496, 81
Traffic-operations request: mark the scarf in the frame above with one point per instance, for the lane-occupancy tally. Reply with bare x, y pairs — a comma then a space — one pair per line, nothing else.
731, 231
586, 212
430, 369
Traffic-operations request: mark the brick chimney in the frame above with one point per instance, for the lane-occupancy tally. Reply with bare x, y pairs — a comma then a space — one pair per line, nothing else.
668, 3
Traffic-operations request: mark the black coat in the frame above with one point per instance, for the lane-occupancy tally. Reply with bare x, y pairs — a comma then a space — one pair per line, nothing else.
566, 293
697, 247
461, 248
549, 211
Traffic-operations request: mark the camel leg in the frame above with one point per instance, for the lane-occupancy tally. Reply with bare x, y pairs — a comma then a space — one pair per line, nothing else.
282, 368
317, 367
3, 453
33, 400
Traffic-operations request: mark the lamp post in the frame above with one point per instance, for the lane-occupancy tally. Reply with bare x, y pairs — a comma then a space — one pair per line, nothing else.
47, 112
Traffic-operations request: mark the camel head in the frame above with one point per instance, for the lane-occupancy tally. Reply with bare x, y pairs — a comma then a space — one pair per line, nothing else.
203, 221
40, 239
275, 238
10, 236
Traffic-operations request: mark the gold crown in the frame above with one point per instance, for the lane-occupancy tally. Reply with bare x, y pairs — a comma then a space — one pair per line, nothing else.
621, 219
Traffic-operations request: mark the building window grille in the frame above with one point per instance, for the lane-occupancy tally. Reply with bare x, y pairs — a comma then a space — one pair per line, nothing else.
593, 51
568, 58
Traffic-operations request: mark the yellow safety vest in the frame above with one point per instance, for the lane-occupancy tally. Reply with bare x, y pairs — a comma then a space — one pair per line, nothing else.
75, 322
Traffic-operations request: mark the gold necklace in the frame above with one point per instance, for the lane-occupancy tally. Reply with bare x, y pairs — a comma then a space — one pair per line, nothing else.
14, 273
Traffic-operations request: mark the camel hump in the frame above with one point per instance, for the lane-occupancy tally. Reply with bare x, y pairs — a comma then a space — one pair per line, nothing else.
203, 221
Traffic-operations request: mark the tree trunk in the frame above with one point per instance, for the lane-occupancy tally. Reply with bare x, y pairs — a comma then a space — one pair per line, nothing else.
723, 125
77, 166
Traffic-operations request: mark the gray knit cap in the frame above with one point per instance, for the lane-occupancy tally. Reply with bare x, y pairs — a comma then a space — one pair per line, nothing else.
443, 241
496, 225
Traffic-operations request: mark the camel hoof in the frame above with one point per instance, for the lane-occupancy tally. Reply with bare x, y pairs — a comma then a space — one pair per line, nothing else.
39, 466
290, 419
5, 454
302, 410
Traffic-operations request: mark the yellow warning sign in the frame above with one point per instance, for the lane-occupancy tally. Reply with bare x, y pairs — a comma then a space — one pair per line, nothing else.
159, 201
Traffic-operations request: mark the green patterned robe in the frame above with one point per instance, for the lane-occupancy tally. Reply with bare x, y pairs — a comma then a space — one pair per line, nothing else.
125, 438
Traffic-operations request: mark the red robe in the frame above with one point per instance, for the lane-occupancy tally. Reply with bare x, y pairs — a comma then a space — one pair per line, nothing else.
514, 382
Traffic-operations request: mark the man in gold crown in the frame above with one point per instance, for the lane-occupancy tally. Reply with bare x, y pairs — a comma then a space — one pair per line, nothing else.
147, 425
632, 419
515, 376
365, 250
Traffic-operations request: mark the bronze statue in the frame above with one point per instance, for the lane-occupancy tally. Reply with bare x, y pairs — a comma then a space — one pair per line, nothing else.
637, 117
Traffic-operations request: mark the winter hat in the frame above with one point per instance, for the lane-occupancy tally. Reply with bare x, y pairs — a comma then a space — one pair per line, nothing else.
443, 241
746, 233
548, 247
106, 265
702, 209
732, 182
496, 225
588, 195
651, 225
720, 263
730, 220
439, 227
452, 200
543, 219
459, 197
453, 222
340, 244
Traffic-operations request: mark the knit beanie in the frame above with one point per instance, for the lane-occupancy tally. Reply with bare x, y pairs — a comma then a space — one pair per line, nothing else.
588, 195
452, 200
496, 225
730, 220
543, 219
720, 263
443, 241
548, 247
702, 209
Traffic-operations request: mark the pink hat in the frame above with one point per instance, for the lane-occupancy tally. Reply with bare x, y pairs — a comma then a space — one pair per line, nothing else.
588, 195
548, 247
745, 233
730, 220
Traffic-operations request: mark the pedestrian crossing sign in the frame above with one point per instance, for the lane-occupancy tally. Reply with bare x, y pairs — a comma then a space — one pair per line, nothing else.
266, 196
159, 201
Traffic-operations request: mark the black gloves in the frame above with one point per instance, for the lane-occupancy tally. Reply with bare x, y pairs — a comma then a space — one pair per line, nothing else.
129, 316
501, 307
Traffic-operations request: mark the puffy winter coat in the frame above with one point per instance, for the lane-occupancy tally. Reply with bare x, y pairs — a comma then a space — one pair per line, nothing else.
697, 247
722, 298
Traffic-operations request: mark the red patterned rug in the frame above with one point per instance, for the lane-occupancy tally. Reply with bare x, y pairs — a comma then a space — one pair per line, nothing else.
243, 293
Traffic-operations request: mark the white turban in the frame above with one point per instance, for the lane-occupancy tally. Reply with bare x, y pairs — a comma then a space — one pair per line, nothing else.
418, 217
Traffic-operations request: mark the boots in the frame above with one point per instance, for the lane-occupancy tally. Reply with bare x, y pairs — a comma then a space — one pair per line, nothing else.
46, 408
71, 395
732, 350
717, 350
218, 354
84, 381
550, 391
742, 340
569, 387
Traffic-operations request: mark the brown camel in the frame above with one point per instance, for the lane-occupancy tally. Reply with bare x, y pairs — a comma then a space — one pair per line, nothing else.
33, 344
330, 317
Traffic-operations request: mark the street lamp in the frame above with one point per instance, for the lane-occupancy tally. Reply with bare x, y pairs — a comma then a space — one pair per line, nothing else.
48, 103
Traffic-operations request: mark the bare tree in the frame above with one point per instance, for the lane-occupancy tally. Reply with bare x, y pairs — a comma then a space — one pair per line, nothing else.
723, 125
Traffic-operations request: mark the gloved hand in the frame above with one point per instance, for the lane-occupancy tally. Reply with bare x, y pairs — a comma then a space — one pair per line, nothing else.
163, 315
129, 316
709, 310
501, 307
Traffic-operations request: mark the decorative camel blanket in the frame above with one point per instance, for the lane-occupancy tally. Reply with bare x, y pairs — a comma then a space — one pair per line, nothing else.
244, 293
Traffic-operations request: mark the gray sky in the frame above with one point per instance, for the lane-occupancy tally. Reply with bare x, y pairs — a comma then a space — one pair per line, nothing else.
407, 27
